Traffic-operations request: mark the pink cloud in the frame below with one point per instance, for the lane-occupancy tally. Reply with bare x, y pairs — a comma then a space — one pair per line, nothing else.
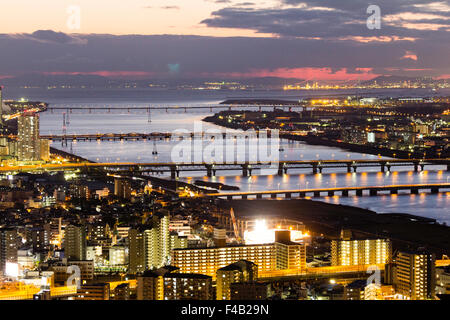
303, 73
443, 76
409, 55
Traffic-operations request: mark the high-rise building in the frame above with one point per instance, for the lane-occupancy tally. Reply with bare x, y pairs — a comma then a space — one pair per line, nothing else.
290, 255
122, 188
8, 247
268, 257
150, 245
166, 284
118, 256
136, 251
44, 149
28, 136
443, 280
415, 275
360, 252
55, 230
75, 242
240, 271
209, 260
121, 292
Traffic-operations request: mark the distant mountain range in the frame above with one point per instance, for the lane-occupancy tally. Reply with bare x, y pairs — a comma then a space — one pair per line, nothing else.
39, 80
95, 81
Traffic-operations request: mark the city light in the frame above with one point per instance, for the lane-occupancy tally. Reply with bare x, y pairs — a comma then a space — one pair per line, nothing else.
261, 234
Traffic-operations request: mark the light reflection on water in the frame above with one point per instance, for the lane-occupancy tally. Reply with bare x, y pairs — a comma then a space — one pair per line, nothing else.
433, 206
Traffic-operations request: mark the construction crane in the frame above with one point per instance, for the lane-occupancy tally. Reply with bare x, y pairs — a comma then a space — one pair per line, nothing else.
233, 219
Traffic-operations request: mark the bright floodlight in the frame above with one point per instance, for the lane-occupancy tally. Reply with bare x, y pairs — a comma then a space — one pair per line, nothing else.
12, 269
261, 234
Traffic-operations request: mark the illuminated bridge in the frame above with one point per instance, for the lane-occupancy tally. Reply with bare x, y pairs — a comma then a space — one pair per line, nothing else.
166, 108
342, 191
150, 136
280, 168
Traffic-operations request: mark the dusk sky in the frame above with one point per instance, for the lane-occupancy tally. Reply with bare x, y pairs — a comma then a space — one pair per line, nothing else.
306, 39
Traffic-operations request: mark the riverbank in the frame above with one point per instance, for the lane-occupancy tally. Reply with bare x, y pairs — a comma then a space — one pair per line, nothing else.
352, 147
406, 231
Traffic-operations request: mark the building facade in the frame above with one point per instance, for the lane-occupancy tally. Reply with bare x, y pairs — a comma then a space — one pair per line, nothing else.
360, 252
415, 275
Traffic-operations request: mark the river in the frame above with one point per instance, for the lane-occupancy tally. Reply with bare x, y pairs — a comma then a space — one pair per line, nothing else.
432, 206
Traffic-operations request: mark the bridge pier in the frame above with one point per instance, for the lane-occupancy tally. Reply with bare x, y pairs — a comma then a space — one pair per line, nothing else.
244, 197
280, 168
359, 192
354, 169
244, 170
448, 167
259, 196
174, 173
414, 191
388, 168
382, 168
330, 193
373, 192
349, 168
320, 169
302, 194
273, 195
416, 167
345, 193
316, 194
422, 166
229, 197
314, 168
209, 171
287, 195
394, 191
435, 190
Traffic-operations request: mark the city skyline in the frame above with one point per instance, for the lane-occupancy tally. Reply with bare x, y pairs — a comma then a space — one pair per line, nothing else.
266, 153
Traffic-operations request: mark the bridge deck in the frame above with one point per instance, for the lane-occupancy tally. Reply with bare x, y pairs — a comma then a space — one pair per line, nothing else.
376, 188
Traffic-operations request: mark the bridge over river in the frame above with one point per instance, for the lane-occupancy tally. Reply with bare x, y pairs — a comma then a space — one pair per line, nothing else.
247, 168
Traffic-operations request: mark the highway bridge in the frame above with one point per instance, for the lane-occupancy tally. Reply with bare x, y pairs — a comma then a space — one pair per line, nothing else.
342, 191
247, 168
134, 136
185, 108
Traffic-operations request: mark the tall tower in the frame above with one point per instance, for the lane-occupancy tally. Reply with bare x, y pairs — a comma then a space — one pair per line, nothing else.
8, 247
28, 134
75, 242
415, 275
